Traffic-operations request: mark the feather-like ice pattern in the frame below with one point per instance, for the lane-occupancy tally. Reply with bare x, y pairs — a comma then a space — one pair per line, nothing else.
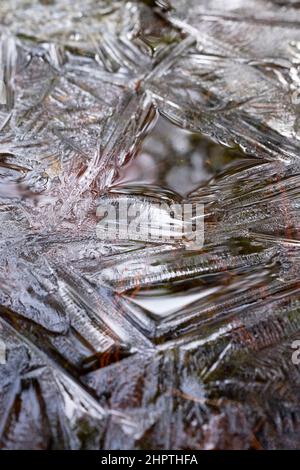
239, 79
144, 342
42, 406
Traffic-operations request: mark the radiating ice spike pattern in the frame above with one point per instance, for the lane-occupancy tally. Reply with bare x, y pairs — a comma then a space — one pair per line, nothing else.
138, 343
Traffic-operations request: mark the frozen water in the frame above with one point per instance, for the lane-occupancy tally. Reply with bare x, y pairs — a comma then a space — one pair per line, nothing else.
130, 343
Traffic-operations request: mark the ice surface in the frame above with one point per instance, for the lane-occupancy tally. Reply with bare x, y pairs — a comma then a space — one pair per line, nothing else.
136, 343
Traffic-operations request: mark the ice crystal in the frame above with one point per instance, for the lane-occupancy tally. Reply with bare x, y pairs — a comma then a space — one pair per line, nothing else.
137, 343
